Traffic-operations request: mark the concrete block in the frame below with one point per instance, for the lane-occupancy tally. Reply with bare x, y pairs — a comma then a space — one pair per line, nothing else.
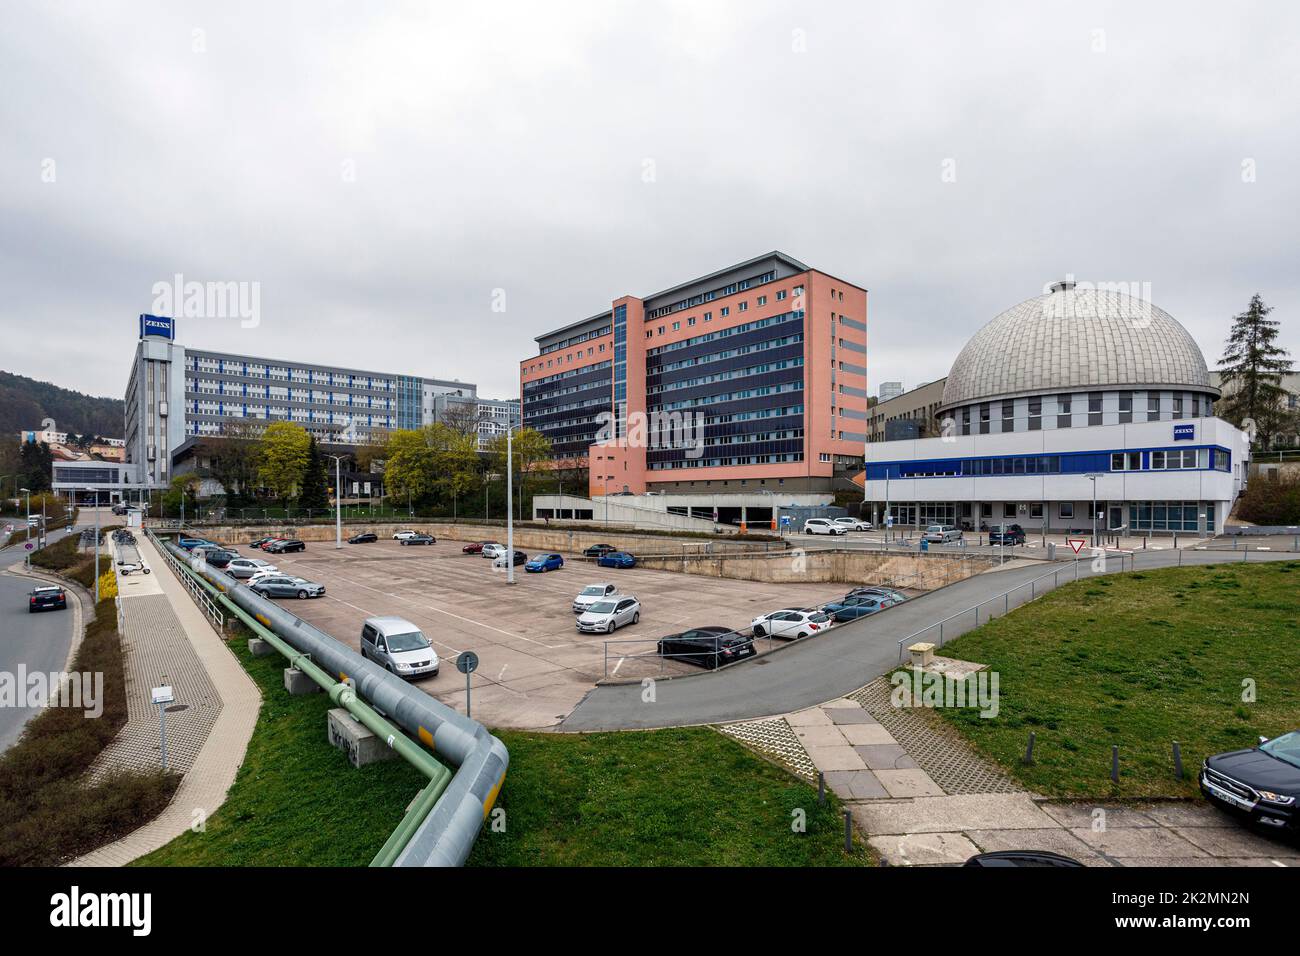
259, 648
361, 746
298, 683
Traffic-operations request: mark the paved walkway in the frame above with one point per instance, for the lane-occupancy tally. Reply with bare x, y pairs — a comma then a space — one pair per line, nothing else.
168, 640
848, 656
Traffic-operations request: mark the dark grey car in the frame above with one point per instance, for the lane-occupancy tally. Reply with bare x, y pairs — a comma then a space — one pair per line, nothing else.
284, 585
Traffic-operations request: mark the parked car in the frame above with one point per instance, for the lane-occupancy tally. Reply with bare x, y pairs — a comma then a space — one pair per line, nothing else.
420, 538
852, 524
591, 594
46, 597
261, 543
286, 546
500, 560
607, 616
855, 606
217, 557
398, 645
941, 533
363, 537
823, 526
710, 646
284, 585
890, 596
790, 622
1007, 534
244, 568
597, 550
1031, 858
545, 562
403, 535
266, 543
474, 547
492, 550
1260, 784
616, 559
189, 544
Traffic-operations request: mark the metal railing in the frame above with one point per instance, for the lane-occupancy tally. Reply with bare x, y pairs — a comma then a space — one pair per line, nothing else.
205, 603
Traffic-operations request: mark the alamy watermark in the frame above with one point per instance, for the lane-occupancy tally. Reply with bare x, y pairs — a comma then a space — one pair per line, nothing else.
82, 691
657, 430
209, 300
914, 687
1130, 300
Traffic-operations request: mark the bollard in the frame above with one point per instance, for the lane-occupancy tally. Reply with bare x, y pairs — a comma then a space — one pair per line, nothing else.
1114, 763
1178, 761
821, 786
1029, 751
848, 832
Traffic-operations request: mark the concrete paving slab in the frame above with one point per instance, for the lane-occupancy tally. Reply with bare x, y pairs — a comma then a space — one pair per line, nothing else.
840, 702
866, 734
829, 736
812, 717
850, 715
1187, 813
885, 757
908, 783
856, 785
835, 758
924, 849
983, 811
1237, 842
1081, 814
1139, 842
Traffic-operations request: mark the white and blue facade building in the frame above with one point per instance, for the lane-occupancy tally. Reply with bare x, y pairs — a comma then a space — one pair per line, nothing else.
1074, 396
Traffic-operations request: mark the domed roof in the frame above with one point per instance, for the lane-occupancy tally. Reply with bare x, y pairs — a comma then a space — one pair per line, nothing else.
1075, 339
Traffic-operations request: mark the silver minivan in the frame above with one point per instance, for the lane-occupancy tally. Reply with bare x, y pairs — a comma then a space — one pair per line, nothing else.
397, 645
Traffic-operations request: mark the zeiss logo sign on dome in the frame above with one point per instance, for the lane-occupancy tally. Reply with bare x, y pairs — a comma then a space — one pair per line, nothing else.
157, 325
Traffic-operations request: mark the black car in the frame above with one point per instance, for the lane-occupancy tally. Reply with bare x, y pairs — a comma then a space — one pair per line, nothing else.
598, 550
365, 537
46, 597
1002, 858
1010, 534
709, 647
1261, 784
286, 546
519, 558
219, 558
419, 538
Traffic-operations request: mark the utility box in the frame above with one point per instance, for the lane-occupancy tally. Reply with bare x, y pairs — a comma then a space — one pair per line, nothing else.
355, 740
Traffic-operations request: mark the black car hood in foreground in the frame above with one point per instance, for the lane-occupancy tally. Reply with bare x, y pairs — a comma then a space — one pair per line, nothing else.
1259, 770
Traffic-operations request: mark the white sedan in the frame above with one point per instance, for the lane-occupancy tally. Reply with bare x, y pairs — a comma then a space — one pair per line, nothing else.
823, 526
853, 524
791, 623
607, 616
492, 550
403, 535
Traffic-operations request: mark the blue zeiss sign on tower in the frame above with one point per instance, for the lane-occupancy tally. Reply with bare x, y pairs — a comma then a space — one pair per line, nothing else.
159, 325
1184, 433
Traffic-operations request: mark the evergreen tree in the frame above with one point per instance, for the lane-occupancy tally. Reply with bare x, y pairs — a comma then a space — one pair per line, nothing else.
1252, 369
37, 466
314, 481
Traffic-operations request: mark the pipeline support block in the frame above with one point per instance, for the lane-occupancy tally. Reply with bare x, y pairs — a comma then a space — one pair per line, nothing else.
298, 683
361, 746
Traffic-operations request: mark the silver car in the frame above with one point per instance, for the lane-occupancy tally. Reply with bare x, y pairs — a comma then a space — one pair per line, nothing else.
285, 585
591, 594
247, 567
607, 616
493, 550
397, 645
942, 533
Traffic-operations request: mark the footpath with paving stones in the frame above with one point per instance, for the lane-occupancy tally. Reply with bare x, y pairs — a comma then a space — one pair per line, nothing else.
923, 797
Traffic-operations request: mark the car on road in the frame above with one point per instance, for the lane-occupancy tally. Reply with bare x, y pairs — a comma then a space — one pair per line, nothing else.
500, 560
1260, 784
607, 616
46, 597
244, 568
404, 534
790, 622
616, 559
474, 547
855, 606
284, 585
891, 597
545, 562
591, 594
397, 645
420, 538
823, 526
1007, 534
285, 546
598, 550
363, 537
491, 549
852, 524
941, 533
710, 646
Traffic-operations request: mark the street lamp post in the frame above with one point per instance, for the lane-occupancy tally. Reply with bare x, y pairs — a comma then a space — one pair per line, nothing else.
28, 557
1093, 476
338, 504
510, 511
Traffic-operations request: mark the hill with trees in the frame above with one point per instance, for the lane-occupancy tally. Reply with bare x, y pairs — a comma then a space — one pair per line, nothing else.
25, 403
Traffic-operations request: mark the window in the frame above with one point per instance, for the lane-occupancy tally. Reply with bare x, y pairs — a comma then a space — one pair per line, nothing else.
1035, 414
1126, 461
986, 509
1035, 511
984, 419
1065, 509
1153, 406
1094, 408
965, 421
677, 327
725, 310
762, 300
1008, 416
1125, 408
780, 297
1178, 406
1064, 418
743, 307
1008, 509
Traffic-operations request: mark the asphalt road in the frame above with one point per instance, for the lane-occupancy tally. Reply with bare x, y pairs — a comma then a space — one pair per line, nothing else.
37, 642
838, 662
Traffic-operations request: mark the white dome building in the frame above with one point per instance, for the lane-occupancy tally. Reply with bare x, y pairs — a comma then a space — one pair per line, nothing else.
1075, 388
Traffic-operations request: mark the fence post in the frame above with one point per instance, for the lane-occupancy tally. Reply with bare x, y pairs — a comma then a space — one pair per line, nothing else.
1029, 750
821, 787
1178, 761
1114, 763
848, 832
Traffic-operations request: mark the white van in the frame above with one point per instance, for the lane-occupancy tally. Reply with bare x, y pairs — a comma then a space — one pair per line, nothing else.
398, 646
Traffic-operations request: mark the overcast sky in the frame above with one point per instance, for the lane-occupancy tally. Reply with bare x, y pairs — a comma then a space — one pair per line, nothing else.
379, 170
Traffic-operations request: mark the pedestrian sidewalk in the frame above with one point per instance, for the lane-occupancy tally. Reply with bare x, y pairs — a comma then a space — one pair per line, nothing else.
168, 640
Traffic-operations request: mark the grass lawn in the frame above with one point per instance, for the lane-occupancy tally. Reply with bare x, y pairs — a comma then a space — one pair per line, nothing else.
673, 797
1139, 660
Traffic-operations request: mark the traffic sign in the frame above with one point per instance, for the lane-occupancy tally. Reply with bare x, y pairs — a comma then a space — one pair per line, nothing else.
1076, 543
28, 546
467, 662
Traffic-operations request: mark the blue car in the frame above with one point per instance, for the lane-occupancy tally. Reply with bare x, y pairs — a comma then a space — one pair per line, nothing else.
855, 606
189, 544
545, 562
616, 559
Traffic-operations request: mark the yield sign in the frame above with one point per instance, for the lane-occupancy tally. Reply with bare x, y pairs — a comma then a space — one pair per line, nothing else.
1076, 543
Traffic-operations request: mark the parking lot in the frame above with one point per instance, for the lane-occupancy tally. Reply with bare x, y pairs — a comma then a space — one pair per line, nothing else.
534, 666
